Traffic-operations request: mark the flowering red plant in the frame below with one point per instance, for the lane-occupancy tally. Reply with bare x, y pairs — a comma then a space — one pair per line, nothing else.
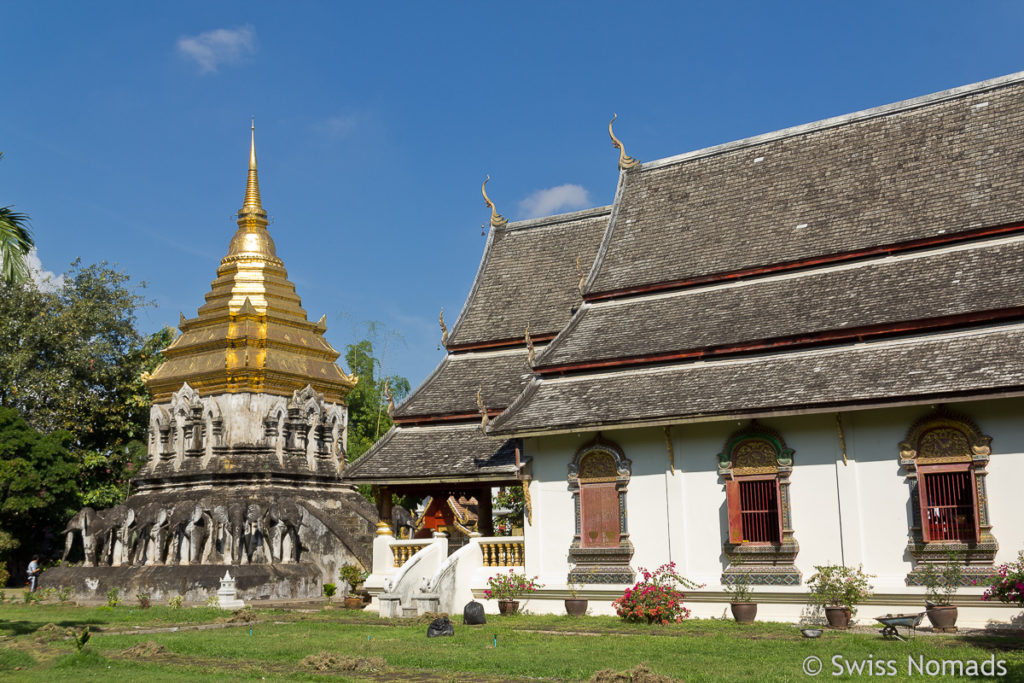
655, 598
1007, 584
510, 586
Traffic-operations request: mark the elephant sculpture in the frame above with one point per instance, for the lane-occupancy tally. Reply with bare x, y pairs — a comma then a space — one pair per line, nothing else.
282, 528
196, 532
82, 524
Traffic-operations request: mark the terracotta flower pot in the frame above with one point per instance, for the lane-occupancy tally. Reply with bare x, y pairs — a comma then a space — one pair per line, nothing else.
943, 617
575, 607
837, 617
743, 612
353, 602
507, 607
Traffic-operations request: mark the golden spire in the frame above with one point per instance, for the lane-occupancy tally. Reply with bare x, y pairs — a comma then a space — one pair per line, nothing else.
625, 161
497, 220
252, 239
252, 205
252, 334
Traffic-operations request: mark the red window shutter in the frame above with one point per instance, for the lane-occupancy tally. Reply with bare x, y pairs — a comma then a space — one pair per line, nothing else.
732, 497
922, 497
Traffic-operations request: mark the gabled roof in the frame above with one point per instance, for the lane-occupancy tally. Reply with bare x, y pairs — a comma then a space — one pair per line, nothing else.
528, 276
926, 168
451, 388
867, 260
938, 288
435, 453
939, 367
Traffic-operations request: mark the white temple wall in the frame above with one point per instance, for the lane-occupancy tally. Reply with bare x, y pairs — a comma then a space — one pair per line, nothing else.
853, 513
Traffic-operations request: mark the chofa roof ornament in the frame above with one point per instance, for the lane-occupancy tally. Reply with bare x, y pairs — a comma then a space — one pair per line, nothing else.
497, 220
625, 161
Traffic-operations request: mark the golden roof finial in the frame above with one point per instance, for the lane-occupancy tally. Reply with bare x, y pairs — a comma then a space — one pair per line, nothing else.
529, 345
252, 205
625, 161
484, 418
497, 220
444, 329
582, 277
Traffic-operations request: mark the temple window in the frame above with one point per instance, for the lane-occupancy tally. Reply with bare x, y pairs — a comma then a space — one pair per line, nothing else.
755, 466
600, 551
944, 459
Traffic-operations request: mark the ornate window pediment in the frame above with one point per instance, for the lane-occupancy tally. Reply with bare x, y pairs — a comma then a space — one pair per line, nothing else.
944, 457
598, 476
755, 466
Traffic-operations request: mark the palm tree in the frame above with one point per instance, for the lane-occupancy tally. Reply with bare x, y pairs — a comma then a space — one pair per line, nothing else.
15, 243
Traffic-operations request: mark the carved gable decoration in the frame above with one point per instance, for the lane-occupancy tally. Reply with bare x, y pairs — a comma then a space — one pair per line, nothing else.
945, 437
755, 449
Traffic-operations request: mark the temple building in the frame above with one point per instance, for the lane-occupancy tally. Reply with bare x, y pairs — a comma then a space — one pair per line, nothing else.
246, 449
799, 349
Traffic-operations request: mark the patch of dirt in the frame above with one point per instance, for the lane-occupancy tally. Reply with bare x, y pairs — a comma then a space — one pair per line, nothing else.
145, 650
243, 616
326, 661
638, 674
51, 632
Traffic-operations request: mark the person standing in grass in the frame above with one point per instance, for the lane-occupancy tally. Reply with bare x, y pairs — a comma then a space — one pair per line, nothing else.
33, 573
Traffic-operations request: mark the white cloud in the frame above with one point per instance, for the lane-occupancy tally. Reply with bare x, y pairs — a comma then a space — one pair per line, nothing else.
46, 280
337, 126
210, 49
554, 199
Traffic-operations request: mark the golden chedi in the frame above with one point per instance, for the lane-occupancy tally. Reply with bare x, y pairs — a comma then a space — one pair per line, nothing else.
246, 449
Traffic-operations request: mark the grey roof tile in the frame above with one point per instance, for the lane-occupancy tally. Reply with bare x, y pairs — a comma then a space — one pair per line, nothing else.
528, 276
913, 173
452, 387
926, 285
434, 452
928, 368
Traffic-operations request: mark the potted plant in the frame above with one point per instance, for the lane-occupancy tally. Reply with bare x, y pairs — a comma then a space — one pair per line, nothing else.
575, 606
506, 588
329, 590
354, 577
743, 608
941, 581
839, 589
656, 598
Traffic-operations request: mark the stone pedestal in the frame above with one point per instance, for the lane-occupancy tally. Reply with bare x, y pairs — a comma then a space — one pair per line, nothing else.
390, 605
427, 602
227, 596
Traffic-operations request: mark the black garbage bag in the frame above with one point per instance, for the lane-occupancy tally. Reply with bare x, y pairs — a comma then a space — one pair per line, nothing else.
473, 613
440, 627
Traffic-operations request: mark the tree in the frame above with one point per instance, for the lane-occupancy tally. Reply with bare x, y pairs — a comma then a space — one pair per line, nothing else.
38, 483
15, 243
368, 419
71, 360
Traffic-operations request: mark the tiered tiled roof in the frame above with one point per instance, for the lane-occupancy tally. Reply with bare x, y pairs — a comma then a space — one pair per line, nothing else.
528, 276
866, 260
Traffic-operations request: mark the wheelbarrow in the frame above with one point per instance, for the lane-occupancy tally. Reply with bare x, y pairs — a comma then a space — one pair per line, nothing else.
891, 622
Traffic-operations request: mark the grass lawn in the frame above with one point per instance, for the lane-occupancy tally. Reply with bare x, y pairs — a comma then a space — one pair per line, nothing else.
367, 648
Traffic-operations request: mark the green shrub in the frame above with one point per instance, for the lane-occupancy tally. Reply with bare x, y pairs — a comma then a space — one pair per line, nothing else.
113, 597
176, 602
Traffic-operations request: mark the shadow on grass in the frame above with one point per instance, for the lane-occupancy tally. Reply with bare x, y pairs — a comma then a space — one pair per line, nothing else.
22, 627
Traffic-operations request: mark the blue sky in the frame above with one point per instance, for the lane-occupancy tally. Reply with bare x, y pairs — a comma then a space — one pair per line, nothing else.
125, 126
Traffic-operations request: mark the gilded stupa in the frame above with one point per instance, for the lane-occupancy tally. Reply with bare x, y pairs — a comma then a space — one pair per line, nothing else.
246, 448
252, 334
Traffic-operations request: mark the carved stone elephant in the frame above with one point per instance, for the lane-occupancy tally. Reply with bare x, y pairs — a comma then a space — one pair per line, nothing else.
282, 529
82, 524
